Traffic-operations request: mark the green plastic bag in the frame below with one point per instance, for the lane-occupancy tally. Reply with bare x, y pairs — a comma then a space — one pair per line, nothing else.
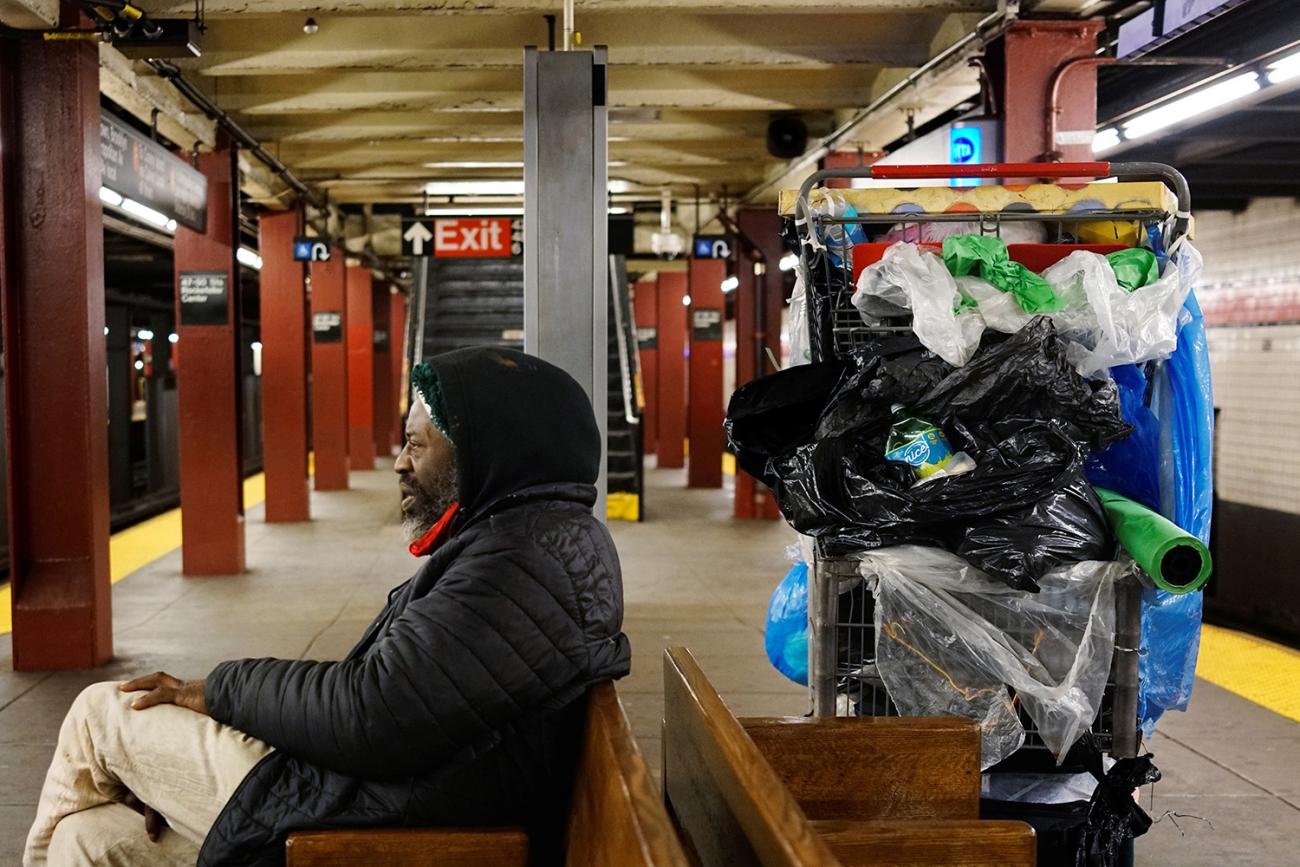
986, 256
1134, 268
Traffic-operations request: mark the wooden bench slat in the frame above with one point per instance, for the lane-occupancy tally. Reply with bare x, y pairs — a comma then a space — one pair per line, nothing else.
731, 807
618, 816
901, 768
407, 847
952, 842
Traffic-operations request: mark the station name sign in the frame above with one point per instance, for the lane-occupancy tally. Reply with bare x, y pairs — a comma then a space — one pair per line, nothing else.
139, 168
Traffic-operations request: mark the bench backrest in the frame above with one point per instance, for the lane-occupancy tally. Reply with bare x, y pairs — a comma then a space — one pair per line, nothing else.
617, 816
866, 768
730, 807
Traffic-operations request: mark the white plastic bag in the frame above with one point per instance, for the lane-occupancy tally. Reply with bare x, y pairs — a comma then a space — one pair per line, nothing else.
800, 352
950, 641
909, 278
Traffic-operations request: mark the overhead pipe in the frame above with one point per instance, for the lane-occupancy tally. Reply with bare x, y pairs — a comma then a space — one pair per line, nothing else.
1052, 154
173, 74
988, 28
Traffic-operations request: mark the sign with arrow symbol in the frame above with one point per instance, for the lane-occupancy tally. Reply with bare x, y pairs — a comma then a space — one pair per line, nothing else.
416, 238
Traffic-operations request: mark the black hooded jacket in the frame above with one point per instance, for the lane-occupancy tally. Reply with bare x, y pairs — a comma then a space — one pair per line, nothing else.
462, 703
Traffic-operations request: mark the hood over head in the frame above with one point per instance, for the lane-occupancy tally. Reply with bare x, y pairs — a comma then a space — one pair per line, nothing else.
515, 421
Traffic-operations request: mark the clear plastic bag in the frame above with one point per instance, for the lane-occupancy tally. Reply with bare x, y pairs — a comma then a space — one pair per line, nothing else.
1102, 324
1127, 327
950, 641
909, 278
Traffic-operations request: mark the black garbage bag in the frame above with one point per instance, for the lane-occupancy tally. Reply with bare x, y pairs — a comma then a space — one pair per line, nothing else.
1114, 817
1024, 510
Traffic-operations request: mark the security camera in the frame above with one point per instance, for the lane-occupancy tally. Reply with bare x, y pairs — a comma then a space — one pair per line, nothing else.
310, 26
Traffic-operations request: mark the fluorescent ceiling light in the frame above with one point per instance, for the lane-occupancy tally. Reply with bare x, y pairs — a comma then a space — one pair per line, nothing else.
474, 211
249, 258
1191, 105
1285, 69
475, 188
788, 262
476, 164
145, 213
1105, 140
109, 197
731, 284
686, 301
618, 185
619, 209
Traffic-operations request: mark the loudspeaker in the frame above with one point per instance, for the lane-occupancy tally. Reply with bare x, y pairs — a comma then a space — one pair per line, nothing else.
787, 137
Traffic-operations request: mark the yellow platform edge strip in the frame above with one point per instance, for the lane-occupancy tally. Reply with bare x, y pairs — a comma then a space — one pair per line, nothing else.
1254, 669
139, 545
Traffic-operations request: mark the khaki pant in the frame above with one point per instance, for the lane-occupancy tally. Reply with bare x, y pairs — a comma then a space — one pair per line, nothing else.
183, 764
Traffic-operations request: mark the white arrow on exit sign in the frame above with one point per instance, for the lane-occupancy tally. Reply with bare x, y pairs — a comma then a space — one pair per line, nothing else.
418, 235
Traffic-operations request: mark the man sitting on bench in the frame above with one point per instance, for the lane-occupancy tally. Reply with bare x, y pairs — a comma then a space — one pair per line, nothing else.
462, 704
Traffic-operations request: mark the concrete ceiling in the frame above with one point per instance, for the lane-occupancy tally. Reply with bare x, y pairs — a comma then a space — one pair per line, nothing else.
388, 95
387, 87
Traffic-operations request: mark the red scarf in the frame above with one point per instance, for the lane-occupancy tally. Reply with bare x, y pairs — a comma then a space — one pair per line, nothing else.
429, 542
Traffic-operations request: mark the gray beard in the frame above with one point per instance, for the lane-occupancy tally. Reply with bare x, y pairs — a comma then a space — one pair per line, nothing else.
431, 504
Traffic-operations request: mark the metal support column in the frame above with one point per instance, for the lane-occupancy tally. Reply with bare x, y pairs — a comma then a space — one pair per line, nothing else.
646, 315
209, 379
671, 324
361, 367
284, 369
760, 301
1023, 64
329, 373
566, 221
384, 412
704, 413
52, 290
398, 307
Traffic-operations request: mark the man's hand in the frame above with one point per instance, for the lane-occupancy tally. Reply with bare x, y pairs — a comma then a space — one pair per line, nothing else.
154, 822
165, 689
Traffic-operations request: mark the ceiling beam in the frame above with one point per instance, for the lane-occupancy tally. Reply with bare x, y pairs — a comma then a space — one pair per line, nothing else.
29, 14
787, 56
250, 8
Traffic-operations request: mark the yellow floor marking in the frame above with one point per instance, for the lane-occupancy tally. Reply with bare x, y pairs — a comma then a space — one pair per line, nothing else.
1259, 671
728, 464
139, 545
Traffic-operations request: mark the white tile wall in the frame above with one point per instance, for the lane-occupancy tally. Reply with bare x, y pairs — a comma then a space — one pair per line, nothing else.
1252, 262
1256, 372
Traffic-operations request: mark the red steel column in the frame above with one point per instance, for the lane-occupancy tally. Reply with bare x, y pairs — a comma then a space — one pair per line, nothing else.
284, 369
671, 325
704, 427
329, 373
385, 413
763, 227
208, 388
397, 337
1026, 60
647, 340
361, 367
52, 290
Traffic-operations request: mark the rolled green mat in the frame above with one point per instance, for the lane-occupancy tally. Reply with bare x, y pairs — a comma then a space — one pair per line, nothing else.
1173, 559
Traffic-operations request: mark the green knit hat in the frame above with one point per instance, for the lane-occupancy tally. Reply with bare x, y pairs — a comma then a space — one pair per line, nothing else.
426, 389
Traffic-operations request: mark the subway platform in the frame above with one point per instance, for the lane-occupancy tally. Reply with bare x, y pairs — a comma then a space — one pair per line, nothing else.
693, 576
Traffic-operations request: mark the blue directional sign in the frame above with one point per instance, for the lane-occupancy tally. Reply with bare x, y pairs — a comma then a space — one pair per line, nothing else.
712, 247
310, 250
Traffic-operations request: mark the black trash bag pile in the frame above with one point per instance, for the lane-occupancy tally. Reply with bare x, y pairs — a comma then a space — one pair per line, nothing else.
815, 434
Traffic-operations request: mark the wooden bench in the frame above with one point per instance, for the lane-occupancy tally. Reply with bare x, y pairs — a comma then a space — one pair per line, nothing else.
617, 817
796, 791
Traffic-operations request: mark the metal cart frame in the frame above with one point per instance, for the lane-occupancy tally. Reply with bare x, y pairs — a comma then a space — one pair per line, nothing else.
831, 632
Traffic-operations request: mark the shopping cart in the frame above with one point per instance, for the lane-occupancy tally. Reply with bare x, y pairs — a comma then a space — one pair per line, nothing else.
842, 639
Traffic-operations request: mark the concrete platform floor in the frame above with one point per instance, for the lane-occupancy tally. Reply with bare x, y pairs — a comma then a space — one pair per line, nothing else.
693, 576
